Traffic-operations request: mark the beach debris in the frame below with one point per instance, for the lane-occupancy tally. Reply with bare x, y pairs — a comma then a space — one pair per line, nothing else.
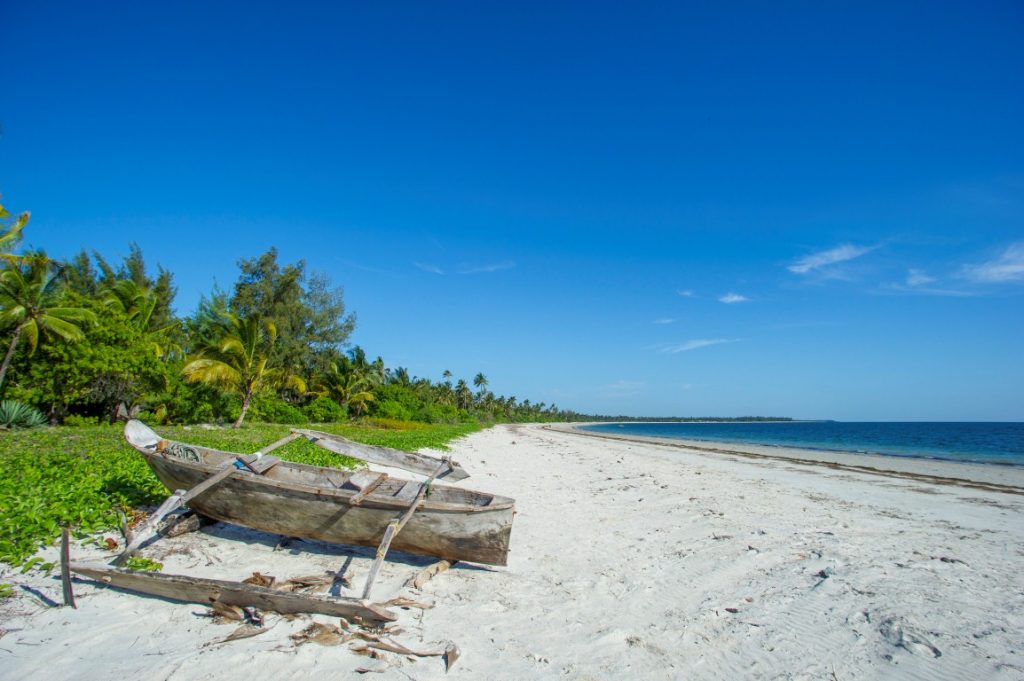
402, 602
428, 573
732, 610
242, 631
259, 579
253, 616
223, 613
952, 561
184, 523
450, 653
321, 634
900, 635
110, 544
307, 583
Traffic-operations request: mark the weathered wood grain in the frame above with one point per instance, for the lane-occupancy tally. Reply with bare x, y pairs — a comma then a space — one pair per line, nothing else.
207, 591
65, 571
418, 580
385, 456
368, 489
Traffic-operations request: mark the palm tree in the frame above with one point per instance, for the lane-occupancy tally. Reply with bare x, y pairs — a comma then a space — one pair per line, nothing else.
349, 389
235, 356
480, 381
138, 303
30, 301
463, 395
12, 234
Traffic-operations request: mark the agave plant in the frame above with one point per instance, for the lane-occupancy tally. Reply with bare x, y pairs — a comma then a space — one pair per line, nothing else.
14, 414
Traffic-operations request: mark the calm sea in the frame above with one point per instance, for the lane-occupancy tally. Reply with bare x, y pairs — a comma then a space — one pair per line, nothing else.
998, 443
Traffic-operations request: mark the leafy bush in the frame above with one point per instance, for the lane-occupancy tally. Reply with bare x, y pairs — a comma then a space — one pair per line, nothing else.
395, 424
325, 410
76, 421
14, 414
437, 413
269, 409
392, 409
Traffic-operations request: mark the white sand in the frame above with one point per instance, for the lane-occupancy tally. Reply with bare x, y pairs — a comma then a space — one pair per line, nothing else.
625, 558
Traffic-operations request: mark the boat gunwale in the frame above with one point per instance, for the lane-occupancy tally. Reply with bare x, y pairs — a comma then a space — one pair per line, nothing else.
341, 495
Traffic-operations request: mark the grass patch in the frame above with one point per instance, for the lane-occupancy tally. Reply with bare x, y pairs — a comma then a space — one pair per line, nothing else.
141, 563
86, 476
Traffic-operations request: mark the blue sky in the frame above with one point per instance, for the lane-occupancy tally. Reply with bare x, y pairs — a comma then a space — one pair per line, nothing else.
800, 209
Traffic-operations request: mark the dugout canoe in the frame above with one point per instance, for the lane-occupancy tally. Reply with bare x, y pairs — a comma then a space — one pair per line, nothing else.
333, 505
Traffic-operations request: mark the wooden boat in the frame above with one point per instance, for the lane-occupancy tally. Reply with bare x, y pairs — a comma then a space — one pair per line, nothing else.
332, 505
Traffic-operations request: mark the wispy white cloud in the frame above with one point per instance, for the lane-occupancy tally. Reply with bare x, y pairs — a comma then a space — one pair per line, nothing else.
733, 298
685, 293
622, 389
666, 320
1007, 267
917, 277
917, 283
816, 261
492, 267
921, 290
428, 267
697, 343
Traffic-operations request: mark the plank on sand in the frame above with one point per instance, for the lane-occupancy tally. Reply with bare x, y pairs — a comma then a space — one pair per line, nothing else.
205, 591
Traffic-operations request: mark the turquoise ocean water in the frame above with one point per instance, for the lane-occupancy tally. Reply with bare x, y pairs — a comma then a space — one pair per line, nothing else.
992, 443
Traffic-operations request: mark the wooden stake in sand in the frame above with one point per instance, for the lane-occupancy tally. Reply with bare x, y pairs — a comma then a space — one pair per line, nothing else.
65, 571
395, 526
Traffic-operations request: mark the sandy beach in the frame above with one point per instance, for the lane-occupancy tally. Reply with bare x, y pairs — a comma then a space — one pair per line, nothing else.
630, 560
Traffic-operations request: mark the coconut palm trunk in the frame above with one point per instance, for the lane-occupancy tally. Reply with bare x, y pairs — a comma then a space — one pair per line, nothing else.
246, 399
10, 354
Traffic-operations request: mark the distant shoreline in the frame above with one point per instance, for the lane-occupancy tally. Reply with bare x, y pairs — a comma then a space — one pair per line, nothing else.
998, 477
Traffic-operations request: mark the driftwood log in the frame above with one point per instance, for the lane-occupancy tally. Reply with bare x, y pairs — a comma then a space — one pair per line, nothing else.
207, 591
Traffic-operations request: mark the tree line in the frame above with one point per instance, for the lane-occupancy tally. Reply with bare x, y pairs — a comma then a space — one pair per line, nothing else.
89, 339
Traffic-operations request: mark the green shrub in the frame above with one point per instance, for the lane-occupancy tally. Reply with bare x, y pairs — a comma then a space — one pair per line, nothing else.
437, 413
395, 424
14, 414
325, 410
274, 410
392, 409
76, 421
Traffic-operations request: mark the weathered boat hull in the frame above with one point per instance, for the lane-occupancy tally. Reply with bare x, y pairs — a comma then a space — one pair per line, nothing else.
310, 502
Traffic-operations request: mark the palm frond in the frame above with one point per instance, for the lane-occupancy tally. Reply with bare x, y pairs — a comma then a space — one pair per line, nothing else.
61, 327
